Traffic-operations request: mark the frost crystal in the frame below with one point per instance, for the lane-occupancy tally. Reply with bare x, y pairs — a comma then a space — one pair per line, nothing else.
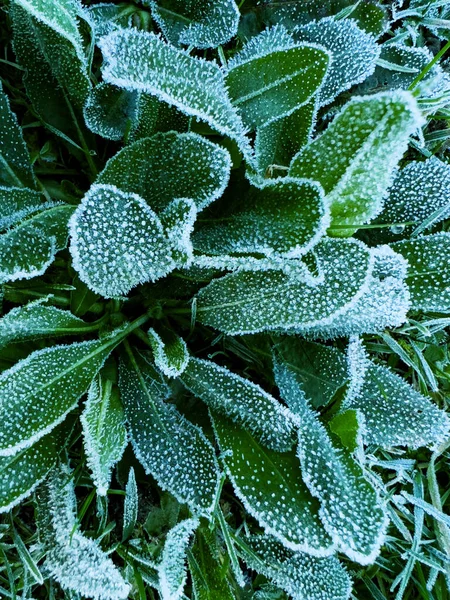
178, 221
17, 203
241, 400
117, 241
109, 111
131, 505
170, 352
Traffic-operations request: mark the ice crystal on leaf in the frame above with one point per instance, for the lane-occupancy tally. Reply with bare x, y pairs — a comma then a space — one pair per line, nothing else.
242, 401
178, 221
18, 203
130, 506
355, 159
109, 111
170, 352
76, 562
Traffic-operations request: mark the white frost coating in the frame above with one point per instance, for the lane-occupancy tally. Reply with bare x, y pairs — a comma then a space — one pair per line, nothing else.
104, 433
170, 352
270, 40
286, 217
270, 486
76, 562
351, 510
172, 568
356, 158
395, 413
199, 23
294, 268
16, 204
109, 111
131, 505
385, 302
242, 401
117, 242
300, 575
354, 53
178, 221
138, 60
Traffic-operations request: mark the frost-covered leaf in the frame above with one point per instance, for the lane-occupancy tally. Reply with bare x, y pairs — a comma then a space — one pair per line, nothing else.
347, 426
172, 568
198, 23
110, 111
106, 17
384, 303
117, 241
76, 562
170, 352
16, 204
178, 222
320, 370
270, 486
38, 319
131, 505
170, 448
242, 401
428, 277
354, 53
350, 509
395, 414
249, 302
355, 158
104, 433
302, 576
133, 59
15, 164
23, 471
286, 216
31, 402
168, 166
154, 116
273, 76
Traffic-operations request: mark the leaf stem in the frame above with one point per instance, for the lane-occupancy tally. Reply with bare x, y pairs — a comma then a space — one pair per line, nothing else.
429, 66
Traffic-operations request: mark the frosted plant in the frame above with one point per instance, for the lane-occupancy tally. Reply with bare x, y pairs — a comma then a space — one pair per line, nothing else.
354, 53
109, 111
131, 505
199, 23
169, 351
105, 17
241, 400
178, 222
356, 169
75, 561
104, 433
18, 203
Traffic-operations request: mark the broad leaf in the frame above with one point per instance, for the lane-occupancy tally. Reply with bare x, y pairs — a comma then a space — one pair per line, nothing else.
355, 158
110, 111
286, 216
75, 561
15, 164
31, 402
249, 302
395, 414
104, 433
132, 60
428, 277
117, 241
354, 54
168, 166
170, 352
18, 203
242, 401
172, 568
178, 222
154, 116
202, 24
106, 17
270, 486
272, 77
302, 576
350, 509
171, 449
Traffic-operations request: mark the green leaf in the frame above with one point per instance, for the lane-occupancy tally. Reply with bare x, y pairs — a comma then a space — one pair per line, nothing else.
178, 221
170, 352
270, 486
355, 158
354, 54
350, 508
75, 561
272, 76
104, 433
31, 402
154, 116
302, 576
22, 472
172, 568
320, 370
133, 59
395, 414
170, 448
110, 111
117, 241
249, 302
131, 505
347, 426
17, 204
15, 164
285, 216
202, 24
242, 401
168, 166
428, 274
